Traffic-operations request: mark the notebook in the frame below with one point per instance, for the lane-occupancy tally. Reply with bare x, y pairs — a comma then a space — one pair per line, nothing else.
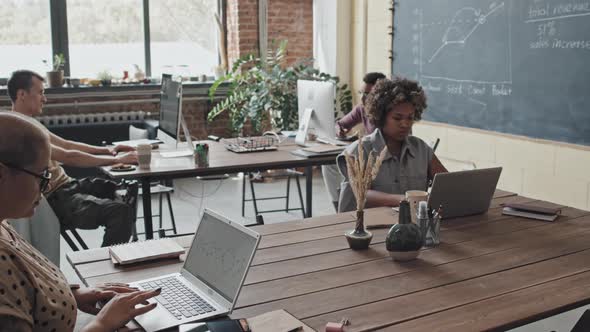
277, 321
274, 321
382, 217
144, 251
531, 211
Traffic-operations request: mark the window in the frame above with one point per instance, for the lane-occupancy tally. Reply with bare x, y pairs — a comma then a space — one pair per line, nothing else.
25, 36
109, 36
105, 35
183, 37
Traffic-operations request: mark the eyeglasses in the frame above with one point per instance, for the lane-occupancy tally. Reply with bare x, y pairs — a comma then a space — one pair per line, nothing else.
44, 177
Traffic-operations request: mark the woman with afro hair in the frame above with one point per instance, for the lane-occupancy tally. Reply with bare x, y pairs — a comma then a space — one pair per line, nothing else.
393, 106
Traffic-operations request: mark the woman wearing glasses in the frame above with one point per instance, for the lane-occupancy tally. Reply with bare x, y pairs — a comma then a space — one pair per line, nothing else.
34, 294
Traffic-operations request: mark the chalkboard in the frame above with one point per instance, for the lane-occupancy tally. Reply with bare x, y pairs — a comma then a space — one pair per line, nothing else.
513, 66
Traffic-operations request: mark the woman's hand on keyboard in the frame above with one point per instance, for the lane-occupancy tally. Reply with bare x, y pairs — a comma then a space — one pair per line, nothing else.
121, 309
88, 298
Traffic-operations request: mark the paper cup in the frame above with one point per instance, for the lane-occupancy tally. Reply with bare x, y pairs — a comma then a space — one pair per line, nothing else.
144, 155
413, 197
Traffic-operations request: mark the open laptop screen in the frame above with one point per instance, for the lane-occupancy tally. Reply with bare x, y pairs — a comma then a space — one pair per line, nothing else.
219, 255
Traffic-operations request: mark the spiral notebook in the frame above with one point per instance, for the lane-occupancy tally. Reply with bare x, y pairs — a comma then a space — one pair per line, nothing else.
135, 252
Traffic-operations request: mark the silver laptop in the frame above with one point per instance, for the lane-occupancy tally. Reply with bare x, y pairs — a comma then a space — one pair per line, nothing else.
464, 193
210, 279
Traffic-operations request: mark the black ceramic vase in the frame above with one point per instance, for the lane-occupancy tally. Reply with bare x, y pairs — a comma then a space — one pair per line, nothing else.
404, 239
359, 238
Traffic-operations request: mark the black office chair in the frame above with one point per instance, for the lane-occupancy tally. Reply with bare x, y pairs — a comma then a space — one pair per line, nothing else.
64, 233
435, 145
259, 221
159, 188
284, 173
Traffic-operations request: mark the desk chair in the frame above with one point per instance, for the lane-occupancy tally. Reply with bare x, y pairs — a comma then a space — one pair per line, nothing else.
160, 189
70, 242
157, 187
435, 144
285, 173
259, 221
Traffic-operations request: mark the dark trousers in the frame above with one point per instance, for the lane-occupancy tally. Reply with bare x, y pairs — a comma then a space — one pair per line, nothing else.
89, 203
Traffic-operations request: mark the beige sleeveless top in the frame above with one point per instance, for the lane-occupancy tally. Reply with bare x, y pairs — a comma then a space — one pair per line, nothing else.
31, 287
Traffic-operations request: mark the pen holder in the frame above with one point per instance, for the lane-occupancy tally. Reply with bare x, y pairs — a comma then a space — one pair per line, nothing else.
202, 155
432, 238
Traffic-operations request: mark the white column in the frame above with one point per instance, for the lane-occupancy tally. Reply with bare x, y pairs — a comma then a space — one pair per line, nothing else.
332, 27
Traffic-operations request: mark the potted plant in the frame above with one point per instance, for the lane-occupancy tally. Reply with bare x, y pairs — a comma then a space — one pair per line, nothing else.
105, 78
361, 172
264, 91
56, 76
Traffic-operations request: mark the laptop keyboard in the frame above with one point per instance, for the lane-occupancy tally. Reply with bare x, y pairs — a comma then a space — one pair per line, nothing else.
178, 299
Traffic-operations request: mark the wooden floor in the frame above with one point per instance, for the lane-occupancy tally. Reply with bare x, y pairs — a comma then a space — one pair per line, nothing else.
491, 272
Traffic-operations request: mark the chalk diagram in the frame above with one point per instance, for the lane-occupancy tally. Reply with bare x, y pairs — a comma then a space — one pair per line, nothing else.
457, 47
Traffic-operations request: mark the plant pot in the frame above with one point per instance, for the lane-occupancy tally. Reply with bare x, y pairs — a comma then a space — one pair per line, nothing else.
219, 72
359, 238
55, 78
404, 239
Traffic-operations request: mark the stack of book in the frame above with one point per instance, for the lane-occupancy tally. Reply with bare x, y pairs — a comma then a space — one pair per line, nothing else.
135, 252
531, 211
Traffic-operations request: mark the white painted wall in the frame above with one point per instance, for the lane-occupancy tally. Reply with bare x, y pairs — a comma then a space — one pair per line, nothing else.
331, 37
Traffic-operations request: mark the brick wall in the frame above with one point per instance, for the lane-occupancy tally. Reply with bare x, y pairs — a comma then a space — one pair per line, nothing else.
242, 28
292, 20
287, 19
195, 113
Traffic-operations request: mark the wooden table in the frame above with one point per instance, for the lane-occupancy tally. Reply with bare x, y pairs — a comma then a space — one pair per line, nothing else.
221, 161
491, 272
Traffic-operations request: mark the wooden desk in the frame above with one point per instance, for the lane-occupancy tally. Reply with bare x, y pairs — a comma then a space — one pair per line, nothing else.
221, 161
491, 272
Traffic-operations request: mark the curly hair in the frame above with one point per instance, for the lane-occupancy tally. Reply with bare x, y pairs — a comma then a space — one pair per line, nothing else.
388, 93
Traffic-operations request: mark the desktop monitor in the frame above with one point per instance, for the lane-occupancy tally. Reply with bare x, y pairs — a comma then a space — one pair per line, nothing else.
171, 118
320, 97
170, 110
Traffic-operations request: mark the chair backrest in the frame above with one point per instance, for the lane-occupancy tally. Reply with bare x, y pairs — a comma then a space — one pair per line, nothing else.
42, 231
435, 144
137, 133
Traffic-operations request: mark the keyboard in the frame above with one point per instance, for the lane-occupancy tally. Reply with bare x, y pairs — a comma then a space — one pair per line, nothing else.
178, 299
332, 141
242, 149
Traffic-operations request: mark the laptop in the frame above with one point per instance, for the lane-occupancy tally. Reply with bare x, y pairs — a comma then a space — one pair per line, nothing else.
210, 279
464, 193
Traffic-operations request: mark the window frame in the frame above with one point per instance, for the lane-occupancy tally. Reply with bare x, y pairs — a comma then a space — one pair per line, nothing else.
60, 41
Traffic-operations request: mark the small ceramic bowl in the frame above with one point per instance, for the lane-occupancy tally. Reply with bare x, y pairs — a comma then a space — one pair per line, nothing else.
404, 256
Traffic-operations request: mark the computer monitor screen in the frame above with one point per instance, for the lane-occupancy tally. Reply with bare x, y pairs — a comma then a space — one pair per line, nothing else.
170, 99
220, 255
321, 97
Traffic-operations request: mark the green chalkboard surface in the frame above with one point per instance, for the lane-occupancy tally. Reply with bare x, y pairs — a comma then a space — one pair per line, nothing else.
513, 66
